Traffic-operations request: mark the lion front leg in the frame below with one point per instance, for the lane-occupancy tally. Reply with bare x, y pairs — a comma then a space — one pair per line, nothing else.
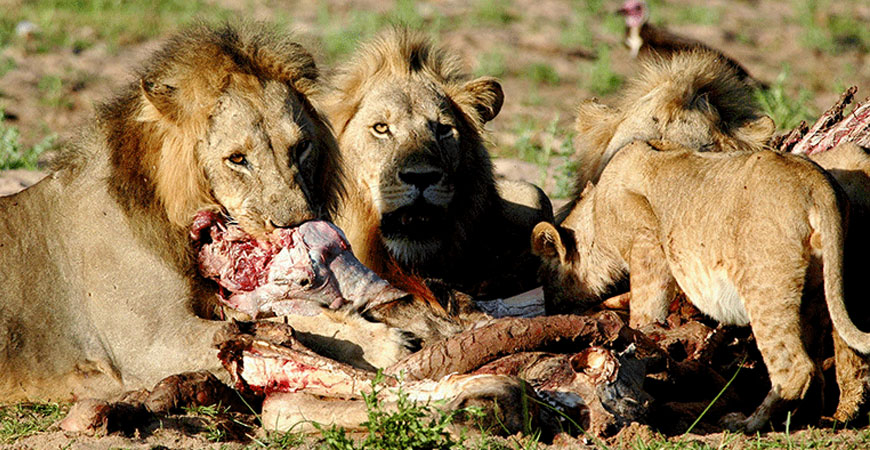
652, 285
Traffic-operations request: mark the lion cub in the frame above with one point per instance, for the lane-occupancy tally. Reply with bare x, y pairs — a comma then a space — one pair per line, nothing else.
740, 233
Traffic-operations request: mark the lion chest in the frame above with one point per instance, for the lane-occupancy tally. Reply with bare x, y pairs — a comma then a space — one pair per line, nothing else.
708, 285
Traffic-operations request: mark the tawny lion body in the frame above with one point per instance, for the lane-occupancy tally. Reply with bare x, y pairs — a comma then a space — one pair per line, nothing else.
100, 291
422, 198
742, 234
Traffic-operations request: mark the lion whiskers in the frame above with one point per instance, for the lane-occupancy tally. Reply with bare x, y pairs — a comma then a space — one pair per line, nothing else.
410, 252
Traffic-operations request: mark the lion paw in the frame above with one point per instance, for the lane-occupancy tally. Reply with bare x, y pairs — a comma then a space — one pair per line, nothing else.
735, 421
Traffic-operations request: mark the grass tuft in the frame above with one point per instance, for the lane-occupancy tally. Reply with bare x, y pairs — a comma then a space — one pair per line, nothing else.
79, 24
13, 155
599, 76
786, 112
23, 419
409, 426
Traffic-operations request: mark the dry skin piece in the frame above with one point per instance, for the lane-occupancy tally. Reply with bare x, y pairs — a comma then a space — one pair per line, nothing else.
294, 271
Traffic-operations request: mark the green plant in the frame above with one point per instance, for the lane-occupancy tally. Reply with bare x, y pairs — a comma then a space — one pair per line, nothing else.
6, 64
409, 425
491, 64
491, 12
52, 92
213, 431
78, 24
576, 32
13, 155
24, 419
599, 77
830, 32
542, 73
786, 112
696, 14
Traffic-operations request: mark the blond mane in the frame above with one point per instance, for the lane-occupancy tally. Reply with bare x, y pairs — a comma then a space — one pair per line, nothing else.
399, 53
693, 79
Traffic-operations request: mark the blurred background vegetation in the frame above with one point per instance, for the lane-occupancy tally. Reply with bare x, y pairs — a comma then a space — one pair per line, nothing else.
60, 57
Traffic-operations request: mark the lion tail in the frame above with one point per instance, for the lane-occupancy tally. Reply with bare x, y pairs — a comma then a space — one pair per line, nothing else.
832, 250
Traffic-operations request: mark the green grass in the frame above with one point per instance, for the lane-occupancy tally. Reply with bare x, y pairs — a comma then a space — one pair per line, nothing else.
542, 73
6, 64
491, 64
599, 76
543, 145
829, 32
51, 91
340, 32
410, 426
491, 12
13, 155
786, 112
23, 419
79, 24
576, 31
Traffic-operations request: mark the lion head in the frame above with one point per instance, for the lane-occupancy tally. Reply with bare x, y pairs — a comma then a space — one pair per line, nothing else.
222, 120
694, 98
409, 121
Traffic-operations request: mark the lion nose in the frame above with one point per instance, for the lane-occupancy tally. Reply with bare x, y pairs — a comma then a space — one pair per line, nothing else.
421, 179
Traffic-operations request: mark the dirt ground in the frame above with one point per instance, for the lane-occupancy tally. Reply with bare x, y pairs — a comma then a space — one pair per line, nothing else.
541, 52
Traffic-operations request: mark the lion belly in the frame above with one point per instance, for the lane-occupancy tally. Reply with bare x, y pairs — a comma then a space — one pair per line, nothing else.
711, 291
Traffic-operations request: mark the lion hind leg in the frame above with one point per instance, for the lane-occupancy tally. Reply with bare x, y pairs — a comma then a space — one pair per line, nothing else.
652, 284
777, 329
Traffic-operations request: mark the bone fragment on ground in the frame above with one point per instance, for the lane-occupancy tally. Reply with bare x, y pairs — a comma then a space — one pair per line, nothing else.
293, 271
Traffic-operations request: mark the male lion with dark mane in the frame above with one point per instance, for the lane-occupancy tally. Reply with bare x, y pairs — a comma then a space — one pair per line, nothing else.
100, 291
422, 196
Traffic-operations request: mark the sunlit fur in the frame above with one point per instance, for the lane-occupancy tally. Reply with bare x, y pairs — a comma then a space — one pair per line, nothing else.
692, 97
100, 286
434, 81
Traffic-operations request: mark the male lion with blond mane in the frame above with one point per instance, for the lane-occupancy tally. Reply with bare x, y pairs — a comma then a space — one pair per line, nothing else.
742, 234
693, 97
422, 199
100, 291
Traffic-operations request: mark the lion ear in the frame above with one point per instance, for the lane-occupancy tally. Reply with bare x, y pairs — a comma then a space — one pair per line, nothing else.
484, 95
587, 189
546, 242
758, 130
161, 96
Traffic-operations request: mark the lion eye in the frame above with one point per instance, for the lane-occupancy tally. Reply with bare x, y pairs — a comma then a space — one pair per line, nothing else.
381, 128
238, 159
303, 150
444, 131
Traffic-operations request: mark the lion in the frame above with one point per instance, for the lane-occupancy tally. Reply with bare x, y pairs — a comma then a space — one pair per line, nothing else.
100, 286
692, 97
742, 234
422, 200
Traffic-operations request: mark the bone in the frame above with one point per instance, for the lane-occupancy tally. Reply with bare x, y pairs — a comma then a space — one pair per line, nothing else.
294, 271
300, 386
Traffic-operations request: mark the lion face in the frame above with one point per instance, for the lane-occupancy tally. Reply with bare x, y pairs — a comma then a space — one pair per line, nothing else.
408, 164
260, 156
409, 126
227, 123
